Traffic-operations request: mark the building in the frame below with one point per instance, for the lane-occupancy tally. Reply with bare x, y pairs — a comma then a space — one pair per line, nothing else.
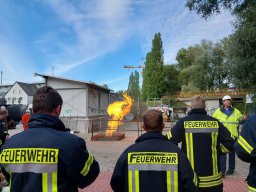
21, 93
82, 101
3, 90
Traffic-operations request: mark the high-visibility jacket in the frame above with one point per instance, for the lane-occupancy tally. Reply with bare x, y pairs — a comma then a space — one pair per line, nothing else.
231, 121
153, 164
47, 158
203, 139
246, 150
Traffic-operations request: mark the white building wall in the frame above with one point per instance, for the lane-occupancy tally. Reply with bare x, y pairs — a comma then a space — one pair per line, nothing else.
104, 102
64, 84
73, 95
74, 102
93, 102
16, 95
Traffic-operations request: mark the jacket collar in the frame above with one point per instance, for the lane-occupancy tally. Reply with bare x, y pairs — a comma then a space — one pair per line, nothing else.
45, 121
150, 135
222, 109
197, 111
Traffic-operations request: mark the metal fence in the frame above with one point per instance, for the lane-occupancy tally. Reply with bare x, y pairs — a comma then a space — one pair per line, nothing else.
100, 125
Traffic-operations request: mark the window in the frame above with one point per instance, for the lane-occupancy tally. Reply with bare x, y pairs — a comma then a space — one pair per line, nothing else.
14, 91
20, 91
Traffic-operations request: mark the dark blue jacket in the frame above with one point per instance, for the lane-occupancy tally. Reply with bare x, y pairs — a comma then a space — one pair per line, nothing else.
146, 164
246, 149
3, 132
48, 158
203, 139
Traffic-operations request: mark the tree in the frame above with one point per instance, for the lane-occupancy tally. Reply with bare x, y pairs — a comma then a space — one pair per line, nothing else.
134, 85
241, 49
171, 79
202, 67
153, 82
206, 8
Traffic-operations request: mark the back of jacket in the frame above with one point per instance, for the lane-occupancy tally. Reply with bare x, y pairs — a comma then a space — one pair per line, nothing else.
46, 158
153, 164
203, 138
246, 149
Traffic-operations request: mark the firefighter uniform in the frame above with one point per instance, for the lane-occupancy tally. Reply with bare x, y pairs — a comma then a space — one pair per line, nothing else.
203, 139
153, 164
47, 158
246, 150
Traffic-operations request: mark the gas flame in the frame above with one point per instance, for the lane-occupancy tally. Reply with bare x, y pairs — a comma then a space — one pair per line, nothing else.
117, 111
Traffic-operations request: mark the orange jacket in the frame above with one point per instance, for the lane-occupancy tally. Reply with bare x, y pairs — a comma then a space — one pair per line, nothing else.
25, 120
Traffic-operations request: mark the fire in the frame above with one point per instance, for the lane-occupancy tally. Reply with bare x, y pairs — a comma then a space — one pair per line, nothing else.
117, 111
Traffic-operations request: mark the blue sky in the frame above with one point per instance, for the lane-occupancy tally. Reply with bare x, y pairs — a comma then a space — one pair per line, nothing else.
91, 40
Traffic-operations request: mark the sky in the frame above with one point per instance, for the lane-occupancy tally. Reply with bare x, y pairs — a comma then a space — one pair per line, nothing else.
92, 40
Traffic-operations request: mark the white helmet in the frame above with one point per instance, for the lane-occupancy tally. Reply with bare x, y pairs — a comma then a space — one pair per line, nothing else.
226, 97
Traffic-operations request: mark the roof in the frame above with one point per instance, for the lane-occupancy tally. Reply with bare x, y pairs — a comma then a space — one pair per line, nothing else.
83, 82
29, 89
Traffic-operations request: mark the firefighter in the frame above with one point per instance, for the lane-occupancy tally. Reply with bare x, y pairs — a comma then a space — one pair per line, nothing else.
230, 117
246, 150
3, 125
46, 157
153, 163
25, 119
203, 139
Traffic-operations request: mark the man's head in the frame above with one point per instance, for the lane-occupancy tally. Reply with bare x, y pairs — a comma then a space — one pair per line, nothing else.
197, 102
3, 112
226, 101
152, 120
47, 100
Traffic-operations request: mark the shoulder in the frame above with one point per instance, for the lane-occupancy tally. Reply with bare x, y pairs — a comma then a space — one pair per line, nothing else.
217, 110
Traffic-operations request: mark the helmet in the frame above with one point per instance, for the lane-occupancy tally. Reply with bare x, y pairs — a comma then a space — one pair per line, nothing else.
226, 97
27, 111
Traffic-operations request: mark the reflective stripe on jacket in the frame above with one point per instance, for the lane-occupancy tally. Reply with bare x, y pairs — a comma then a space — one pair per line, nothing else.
246, 150
47, 158
203, 138
231, 122
153, 164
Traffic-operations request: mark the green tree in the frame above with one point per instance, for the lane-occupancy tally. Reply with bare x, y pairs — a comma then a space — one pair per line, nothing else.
153, 82
134, 86
241, 49
206, 8
171, 79
202, 67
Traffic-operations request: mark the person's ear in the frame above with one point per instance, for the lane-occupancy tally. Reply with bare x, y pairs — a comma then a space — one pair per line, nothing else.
163, 125
58, 110
143, 126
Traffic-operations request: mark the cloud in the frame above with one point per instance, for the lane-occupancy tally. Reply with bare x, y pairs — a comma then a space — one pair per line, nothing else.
109, 82
97, 26
77, 32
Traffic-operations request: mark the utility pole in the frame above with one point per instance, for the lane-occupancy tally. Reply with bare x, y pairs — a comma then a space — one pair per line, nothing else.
1, 76
53, 70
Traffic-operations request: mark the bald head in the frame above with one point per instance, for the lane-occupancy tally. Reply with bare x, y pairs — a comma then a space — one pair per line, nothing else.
153, 120
197, 102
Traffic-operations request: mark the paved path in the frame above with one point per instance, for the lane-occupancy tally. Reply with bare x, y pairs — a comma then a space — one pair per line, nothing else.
107, 153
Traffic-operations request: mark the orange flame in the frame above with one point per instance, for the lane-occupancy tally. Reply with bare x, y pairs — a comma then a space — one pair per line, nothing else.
117, 111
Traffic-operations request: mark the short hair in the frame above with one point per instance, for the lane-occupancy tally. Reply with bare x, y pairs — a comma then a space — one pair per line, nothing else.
46, 99
152, 120
197, 102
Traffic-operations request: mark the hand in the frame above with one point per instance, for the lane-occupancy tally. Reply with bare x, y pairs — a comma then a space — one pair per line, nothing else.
244, 118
